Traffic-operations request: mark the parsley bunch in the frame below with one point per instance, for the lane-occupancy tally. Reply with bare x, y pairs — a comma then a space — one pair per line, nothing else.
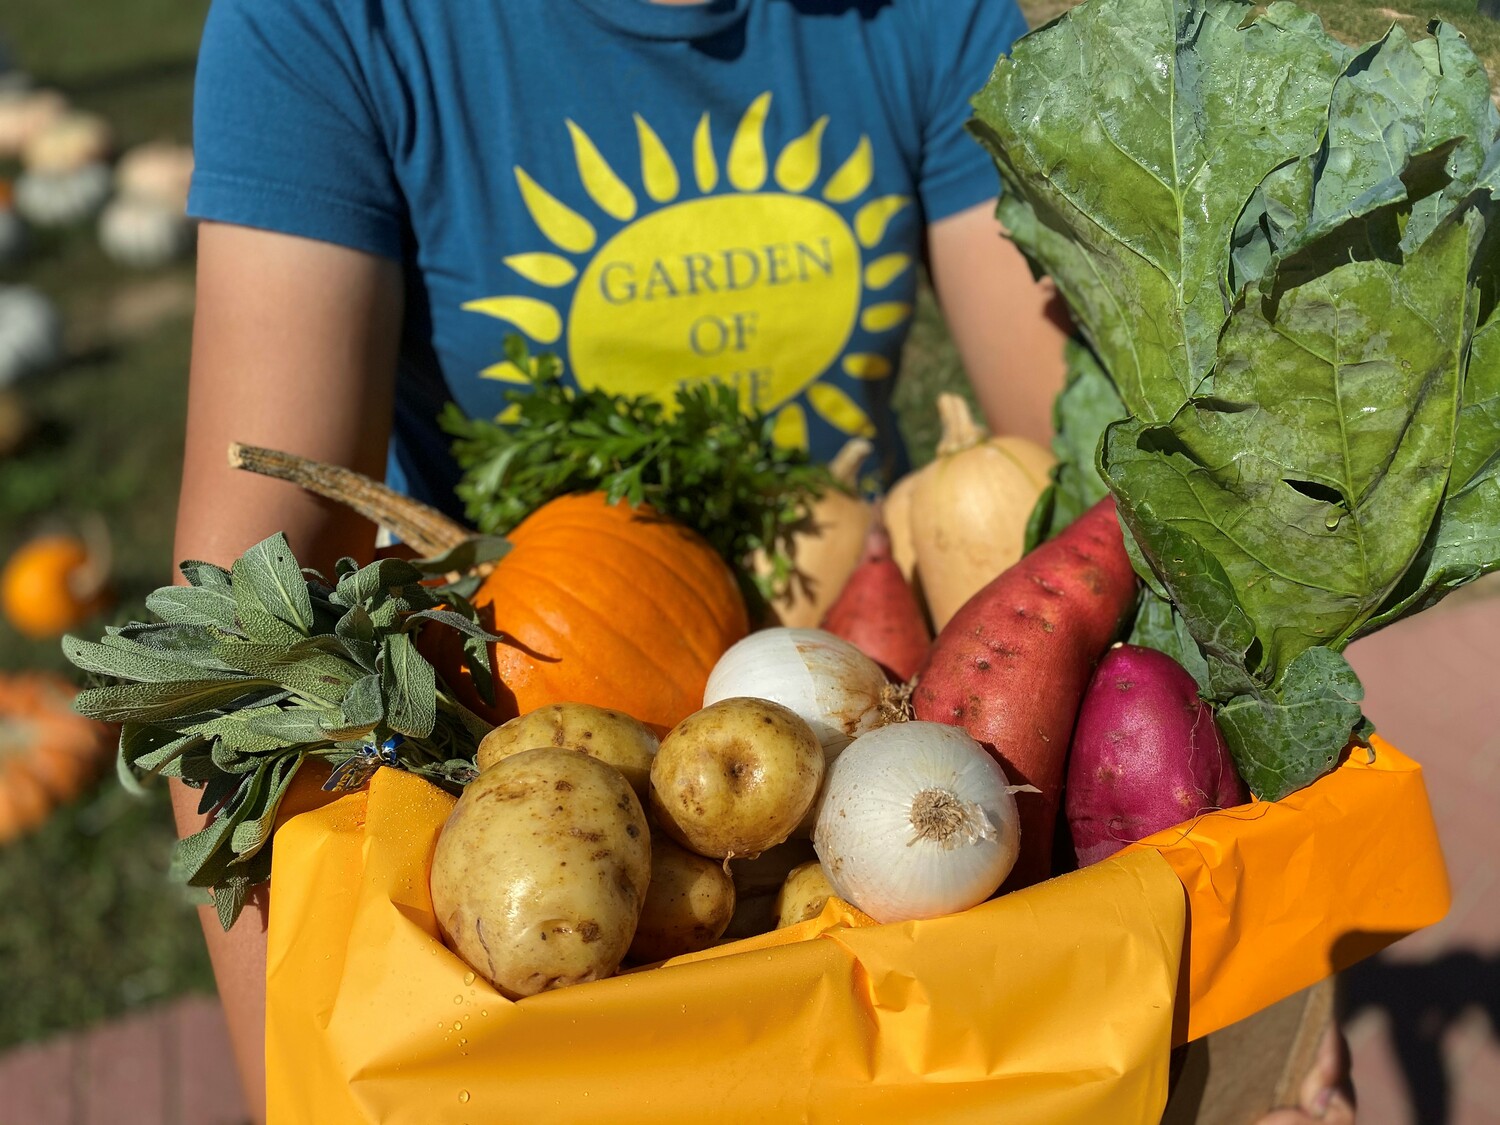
703, 461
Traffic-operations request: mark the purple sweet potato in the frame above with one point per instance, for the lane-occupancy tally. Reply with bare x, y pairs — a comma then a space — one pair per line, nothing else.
1146, 754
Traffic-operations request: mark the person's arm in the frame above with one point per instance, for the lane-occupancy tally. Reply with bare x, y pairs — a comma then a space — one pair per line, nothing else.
1009, 328
294, 347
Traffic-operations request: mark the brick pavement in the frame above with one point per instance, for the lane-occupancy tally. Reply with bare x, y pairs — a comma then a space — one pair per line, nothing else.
1423, 1018
167, 1065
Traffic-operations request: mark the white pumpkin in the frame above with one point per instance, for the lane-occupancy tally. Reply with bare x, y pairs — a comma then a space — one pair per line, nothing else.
30, 333
144, 233
55, 199
24, 113
68, 143
160, 170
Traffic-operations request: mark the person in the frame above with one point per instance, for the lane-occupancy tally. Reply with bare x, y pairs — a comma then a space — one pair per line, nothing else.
654, 190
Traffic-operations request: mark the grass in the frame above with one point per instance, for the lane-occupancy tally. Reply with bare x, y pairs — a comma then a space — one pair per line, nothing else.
91, 926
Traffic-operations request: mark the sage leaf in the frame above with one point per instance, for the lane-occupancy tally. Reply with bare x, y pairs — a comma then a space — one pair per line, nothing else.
213, 606
126, 660
272, 572
409, 685
362, 710
160, 702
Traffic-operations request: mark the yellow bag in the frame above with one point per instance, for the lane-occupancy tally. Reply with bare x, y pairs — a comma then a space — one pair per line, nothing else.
1052, 1005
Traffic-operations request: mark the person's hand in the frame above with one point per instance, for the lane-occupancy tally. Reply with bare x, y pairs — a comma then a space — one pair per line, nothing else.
1326, 1095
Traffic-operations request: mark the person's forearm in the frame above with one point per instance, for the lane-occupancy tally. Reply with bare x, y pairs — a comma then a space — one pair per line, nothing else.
1009, 329
294, 347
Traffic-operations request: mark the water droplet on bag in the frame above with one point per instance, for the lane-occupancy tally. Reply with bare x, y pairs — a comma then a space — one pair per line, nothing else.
463, 1095
458, 1026
458, 999
468, 978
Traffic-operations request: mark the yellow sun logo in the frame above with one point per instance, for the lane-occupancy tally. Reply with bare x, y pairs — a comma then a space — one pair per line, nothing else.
758, 281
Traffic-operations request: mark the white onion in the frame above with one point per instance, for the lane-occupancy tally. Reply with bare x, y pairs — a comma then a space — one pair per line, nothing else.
917, 820
837, 689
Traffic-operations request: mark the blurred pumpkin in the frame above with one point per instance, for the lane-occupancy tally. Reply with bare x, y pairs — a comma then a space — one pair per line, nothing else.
58, 199
24, 113
68, 143
30, 333
159, 171
54, 583
47, 752
144, 233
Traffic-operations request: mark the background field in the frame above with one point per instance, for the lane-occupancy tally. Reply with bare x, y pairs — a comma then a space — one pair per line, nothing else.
90, 926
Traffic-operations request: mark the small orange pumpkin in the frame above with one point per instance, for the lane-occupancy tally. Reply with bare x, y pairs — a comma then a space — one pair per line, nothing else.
47, 751
53, 583
602, 604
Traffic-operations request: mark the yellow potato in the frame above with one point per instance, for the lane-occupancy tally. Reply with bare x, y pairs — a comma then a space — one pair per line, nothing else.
802, 895
540, 871
688, 904
736, 777
611, 736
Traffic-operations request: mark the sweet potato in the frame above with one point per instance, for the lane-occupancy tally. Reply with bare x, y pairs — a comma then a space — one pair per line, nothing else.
877, 612
1146, 754
1012, 665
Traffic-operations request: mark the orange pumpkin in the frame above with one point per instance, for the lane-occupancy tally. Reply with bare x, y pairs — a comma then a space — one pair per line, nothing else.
47, 752
52, 584
603, 604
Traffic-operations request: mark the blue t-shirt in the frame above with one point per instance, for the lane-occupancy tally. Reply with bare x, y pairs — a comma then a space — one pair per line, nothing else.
656, 193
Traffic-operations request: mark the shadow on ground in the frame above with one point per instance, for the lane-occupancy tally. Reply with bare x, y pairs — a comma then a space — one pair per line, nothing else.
1423, 1001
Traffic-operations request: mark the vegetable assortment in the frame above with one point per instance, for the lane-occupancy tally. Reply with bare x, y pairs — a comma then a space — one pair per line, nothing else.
1277, 435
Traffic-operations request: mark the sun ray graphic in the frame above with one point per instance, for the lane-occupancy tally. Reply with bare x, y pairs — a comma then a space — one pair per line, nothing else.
761, 279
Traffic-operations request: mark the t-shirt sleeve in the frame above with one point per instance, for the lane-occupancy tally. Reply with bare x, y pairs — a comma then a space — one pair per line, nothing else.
286, 133
966, 38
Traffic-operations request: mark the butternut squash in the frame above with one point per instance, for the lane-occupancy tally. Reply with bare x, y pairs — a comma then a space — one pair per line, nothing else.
968, 509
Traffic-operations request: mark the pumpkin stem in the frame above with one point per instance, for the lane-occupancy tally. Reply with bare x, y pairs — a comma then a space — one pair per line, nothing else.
960, 431
844, 468
426, 530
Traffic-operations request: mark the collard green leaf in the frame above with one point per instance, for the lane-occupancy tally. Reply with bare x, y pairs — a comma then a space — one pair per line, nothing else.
1284, 740
1086, 405
1314, 472
1158, 625
1129, 134
1409, 122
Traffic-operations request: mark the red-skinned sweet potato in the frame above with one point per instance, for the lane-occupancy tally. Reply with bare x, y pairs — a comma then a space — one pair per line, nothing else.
877, 612
1146, 754
1012, 665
